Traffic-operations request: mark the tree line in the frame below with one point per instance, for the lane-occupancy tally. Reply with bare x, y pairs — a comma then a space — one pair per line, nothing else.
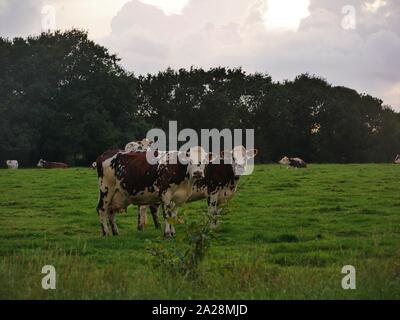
65, 98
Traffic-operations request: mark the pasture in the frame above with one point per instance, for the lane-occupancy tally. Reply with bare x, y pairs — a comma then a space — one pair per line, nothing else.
287, 236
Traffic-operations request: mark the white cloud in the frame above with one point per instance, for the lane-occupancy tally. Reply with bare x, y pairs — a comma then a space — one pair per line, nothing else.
21, 18
375, 5
285, 14
92, 15
392, 95
168, 6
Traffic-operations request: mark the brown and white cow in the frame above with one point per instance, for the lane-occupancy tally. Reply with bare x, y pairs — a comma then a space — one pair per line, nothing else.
293, 162
51, 165
219, 183
138, 147
128, 178
221, 179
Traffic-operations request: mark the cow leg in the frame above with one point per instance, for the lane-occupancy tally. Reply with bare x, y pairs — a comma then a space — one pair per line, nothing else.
167, 231
141, 217
105, 196
103, 223
169, 213
111, 219
154, 213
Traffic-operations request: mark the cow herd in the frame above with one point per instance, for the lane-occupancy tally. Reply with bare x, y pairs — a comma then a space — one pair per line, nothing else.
170, 180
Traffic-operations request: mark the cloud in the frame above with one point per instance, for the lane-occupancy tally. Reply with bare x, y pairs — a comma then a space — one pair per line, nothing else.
19, 18
211, 33
207, 33
169, 6
277, 15
22, 18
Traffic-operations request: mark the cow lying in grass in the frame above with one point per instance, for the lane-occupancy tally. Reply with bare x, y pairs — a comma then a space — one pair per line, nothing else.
128, 178
293, 162
219, 183
51, 165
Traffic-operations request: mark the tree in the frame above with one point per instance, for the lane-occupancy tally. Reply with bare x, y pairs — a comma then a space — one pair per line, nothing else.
64, 98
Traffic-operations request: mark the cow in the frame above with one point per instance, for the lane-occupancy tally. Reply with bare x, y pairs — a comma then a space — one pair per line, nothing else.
129, 178
51, 165
397, 159
153, 208
293, 162
93, 165
220, 181
12, 164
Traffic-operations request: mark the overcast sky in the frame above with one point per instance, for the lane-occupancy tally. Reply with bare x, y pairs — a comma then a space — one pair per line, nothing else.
355, 43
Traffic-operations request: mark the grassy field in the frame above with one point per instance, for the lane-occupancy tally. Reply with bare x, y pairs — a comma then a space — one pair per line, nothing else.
287, 236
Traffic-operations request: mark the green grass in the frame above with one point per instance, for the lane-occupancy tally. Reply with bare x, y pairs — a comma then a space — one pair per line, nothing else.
287, 236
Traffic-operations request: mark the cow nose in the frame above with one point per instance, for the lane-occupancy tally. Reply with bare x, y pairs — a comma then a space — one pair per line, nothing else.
239, 170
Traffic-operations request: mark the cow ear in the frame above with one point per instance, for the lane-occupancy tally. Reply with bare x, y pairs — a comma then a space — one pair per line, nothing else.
251, 153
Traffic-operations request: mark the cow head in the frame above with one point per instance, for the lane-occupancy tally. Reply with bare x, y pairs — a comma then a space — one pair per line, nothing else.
40, 164
196, 159
284, 161
146, 144
239, 157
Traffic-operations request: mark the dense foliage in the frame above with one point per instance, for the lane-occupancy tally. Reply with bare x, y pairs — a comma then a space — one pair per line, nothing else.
65, 98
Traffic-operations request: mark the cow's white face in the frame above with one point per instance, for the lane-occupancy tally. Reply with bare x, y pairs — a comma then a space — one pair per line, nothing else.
284, 160
196, 159
40, 163
239, 157
146, 144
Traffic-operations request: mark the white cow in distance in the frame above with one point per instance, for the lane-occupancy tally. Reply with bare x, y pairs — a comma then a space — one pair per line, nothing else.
12, 164
397, 159
293, 162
